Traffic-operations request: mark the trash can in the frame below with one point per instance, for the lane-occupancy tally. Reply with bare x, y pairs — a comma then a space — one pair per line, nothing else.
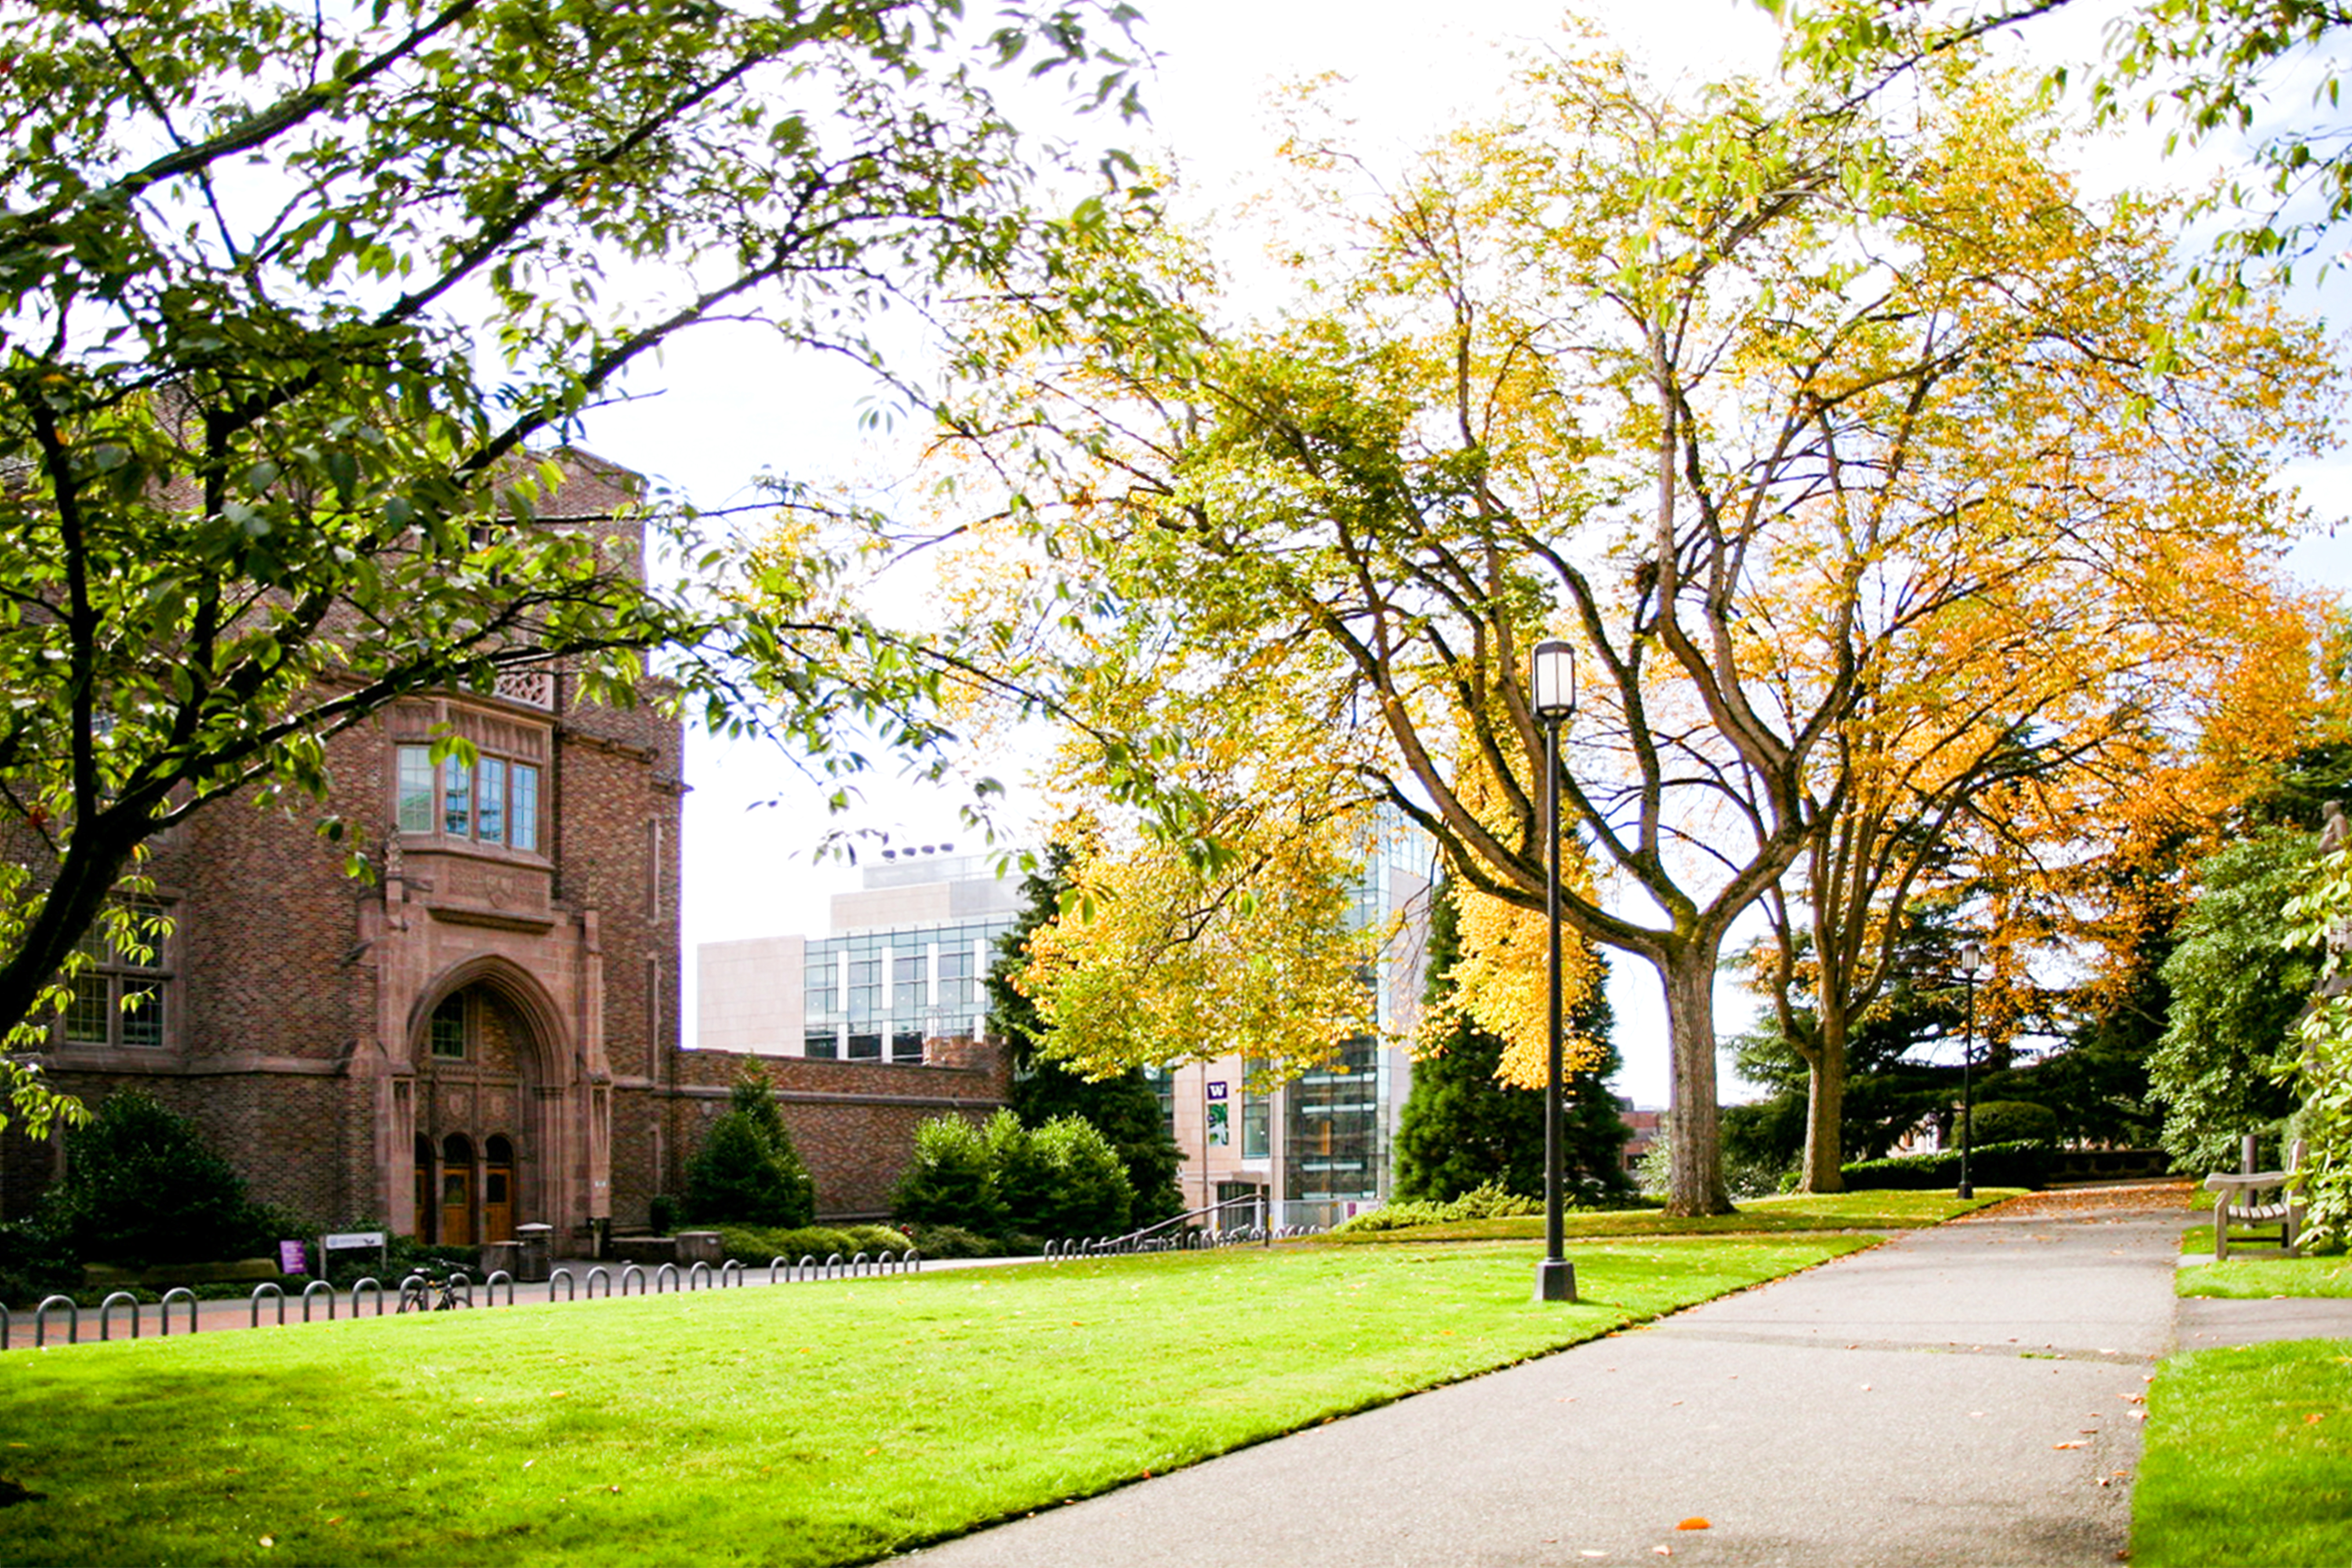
535, 1247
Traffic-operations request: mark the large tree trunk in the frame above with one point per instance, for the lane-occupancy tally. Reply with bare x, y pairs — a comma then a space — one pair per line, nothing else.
1825, 1109
1693, 1137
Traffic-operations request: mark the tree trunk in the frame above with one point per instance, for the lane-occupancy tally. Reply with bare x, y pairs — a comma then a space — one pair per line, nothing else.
1825, 1109
1692, 1136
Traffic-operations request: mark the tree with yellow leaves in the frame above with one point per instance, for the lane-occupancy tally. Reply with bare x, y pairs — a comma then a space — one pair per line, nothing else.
1785, 413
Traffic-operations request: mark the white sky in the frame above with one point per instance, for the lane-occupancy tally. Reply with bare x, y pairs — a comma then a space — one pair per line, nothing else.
731, 406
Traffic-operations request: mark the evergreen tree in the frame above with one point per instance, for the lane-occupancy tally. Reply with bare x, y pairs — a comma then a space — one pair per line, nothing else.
747, 1170
1124, 1109
1461, 1127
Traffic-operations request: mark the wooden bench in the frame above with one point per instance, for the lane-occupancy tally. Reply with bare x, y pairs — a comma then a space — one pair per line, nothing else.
2258, 1198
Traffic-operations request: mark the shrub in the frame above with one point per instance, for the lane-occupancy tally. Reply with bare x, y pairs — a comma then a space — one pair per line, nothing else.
954, 1242
2023, 1164
2013, 1121
1085, 1189
754, 1244
747, 1170
951, 1179
1487, 1201
142, 1186
34, 1262
662, 1212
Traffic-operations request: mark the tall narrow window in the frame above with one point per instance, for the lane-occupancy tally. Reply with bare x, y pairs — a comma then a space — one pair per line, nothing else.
522, 815
414, 788
448, 1029
490, 801
456, 799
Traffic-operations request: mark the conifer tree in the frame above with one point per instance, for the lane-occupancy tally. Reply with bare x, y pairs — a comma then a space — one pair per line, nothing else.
1461, 1127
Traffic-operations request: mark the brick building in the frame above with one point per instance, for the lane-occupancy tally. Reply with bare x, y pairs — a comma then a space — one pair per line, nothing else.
485, 1033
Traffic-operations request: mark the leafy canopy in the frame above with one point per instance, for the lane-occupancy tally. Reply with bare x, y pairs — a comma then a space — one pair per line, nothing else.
293, 302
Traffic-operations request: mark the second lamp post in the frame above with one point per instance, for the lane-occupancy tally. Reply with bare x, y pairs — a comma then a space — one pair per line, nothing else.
1552, 679
1972, 960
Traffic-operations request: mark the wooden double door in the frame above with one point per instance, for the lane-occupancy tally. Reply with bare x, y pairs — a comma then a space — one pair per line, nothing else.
465, 1198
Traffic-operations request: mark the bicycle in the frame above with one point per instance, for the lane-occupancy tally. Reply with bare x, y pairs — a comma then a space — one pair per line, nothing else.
431, 1295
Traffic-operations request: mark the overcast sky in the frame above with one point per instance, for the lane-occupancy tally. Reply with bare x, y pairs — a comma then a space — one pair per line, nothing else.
731, 405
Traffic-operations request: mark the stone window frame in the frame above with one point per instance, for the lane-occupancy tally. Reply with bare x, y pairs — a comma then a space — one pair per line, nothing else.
100, 988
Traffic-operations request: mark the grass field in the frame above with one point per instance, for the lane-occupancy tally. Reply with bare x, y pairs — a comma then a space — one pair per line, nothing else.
2249, 1458
802, 1424
2260, 1271
1757, 1215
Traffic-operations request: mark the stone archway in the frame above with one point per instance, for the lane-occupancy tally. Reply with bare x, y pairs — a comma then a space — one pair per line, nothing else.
491, 1097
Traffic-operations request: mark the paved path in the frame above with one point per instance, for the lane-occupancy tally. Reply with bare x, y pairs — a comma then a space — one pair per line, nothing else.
1965, 1396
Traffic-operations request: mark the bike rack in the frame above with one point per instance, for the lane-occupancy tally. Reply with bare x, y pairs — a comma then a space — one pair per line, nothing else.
698, 1269
184, 1294
640, 1273
600, 1273
490, 1288
255, 1300
370, 1283
106, 1311
775, 1264
463, 1283
312, 1289
806, 1268
8, 1328
667, 1271
723, 1268
859, 1265
571, 1286
911, 1261
832, 1265
41, 1320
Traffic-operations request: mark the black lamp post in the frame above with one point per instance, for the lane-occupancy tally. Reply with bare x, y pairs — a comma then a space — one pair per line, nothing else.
1552, 679
1972, 957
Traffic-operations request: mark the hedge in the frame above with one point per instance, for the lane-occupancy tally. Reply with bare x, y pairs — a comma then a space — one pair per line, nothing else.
2023, 1163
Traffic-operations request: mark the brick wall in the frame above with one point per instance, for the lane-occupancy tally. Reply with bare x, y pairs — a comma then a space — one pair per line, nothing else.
852, 1122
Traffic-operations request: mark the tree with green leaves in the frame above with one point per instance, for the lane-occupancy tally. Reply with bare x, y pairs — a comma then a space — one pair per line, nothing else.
2208, 68
747, 1171
1463, 1126
2238, 986
296, 300
1122, 1107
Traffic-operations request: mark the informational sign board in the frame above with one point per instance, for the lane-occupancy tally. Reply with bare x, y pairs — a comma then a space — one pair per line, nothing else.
293, 1258
1221, 1129
353, 1241
1216, 1091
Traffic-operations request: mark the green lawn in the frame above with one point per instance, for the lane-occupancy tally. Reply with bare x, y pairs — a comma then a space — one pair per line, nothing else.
804, 1424
2249, 1458
1766, 1216
2261, 1271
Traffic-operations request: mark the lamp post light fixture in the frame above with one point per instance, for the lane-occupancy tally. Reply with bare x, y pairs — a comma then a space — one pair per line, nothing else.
1972, 957
1552, 680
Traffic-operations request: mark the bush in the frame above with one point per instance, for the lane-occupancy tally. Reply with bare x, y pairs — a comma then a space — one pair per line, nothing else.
143, 1187
662, 1212
752, 1244
1016, 1187
954, 1242
2024, 1163
2013, 1121
34, 1262
1488, 1200
747, 1171
951, 1179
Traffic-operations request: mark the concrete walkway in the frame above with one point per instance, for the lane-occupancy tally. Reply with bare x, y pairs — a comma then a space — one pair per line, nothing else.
1968, 1394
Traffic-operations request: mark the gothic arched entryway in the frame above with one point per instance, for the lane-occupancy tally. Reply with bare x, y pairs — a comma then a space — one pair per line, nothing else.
485, 1114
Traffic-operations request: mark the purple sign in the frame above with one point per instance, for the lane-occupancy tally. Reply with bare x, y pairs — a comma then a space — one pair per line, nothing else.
293, 1258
